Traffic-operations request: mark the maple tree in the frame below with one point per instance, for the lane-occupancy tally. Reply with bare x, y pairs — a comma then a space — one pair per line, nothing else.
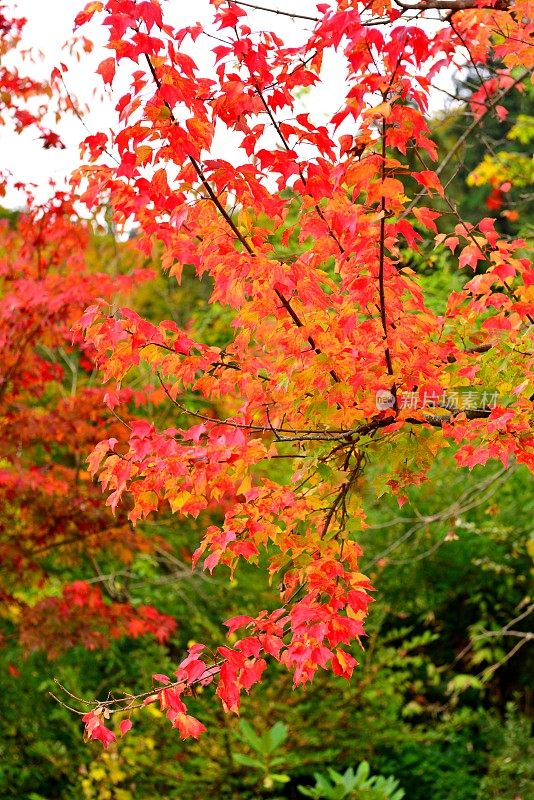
50, 413
51, 509
300, 237
19, 89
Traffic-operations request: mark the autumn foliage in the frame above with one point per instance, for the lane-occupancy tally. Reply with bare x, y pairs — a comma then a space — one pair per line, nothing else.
299, 233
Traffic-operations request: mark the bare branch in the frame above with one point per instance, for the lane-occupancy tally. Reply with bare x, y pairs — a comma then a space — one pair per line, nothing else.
451, 5
274, 11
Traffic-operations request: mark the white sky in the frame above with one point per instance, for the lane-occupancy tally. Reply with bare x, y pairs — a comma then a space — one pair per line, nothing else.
50, 25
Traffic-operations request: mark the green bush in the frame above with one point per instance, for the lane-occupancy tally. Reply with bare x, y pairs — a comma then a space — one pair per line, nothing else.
511, 766
353, 786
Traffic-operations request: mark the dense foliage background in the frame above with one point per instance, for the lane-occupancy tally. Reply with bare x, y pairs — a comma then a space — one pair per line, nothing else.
442, 699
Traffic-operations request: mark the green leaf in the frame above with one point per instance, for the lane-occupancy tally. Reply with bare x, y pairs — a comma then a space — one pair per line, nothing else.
280, 777
276, 736
250, 737
362, 773
248, 761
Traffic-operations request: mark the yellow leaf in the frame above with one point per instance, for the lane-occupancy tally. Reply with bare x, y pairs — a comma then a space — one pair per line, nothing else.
381, 110
245, 484
143, 154
178, 502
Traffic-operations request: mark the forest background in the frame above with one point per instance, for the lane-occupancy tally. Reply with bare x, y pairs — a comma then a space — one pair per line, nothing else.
441, 699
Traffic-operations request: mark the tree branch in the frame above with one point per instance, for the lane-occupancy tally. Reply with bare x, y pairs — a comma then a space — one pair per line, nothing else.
229, 221
274, 11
